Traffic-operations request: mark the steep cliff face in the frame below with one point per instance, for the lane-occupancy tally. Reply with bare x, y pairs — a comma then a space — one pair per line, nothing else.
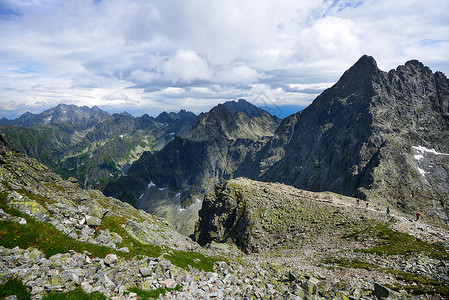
360, 137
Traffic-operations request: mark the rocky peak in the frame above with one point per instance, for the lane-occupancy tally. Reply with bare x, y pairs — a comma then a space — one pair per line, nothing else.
243, 106
359, 75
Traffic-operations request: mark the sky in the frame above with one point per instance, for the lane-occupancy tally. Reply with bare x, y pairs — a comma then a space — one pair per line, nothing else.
144, 56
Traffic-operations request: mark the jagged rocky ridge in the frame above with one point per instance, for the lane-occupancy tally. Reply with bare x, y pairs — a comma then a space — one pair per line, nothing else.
43, 197
90, 144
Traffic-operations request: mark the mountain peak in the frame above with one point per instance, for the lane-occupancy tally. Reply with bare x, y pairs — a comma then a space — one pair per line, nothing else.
243, 106
366, 64
360, 75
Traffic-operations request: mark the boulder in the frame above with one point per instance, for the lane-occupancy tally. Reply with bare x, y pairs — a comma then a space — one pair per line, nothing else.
93, 221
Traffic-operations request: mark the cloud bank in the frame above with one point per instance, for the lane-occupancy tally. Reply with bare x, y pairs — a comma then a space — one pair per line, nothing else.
148, 56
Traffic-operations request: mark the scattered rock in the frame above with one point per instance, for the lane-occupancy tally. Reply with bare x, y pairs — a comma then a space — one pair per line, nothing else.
110, 259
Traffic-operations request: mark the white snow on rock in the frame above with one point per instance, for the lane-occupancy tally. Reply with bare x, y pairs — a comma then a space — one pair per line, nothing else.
423, 173
424, 149
151, 184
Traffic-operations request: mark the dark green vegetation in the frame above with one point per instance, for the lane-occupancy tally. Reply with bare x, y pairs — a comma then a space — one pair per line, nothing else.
391, 242
154, 294
76, 294
14, 287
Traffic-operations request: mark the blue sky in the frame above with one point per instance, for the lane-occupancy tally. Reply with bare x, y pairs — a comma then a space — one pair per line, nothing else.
147, 56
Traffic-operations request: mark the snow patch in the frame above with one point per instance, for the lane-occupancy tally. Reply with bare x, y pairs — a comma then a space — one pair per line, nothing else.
419, 156
181, 209
178, 195
141, 196
161, 189
423, 173
151, 184
424, 149
120, 136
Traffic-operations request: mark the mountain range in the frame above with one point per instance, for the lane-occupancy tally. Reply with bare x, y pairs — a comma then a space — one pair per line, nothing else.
323, 201
58, 241
90, 144
377, 135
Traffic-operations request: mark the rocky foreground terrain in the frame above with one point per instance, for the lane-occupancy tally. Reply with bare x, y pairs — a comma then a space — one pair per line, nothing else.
57, 239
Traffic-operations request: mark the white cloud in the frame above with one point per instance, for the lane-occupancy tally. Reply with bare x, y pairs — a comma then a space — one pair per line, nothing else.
239, 73
186, 66
82, 51
116, 96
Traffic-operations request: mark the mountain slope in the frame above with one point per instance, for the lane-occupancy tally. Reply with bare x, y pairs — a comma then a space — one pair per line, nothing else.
360, 136
88, 143
338, 234
167, 182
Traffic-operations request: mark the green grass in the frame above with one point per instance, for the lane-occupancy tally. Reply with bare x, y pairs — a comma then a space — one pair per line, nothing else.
42, 236
135, 247
154, 294
51, 241
391, 242
14, 287
198, 261
76, 294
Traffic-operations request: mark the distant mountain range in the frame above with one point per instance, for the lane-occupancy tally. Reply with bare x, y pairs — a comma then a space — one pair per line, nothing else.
90, 144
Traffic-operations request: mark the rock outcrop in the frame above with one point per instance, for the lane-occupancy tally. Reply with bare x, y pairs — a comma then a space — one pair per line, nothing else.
293, 227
